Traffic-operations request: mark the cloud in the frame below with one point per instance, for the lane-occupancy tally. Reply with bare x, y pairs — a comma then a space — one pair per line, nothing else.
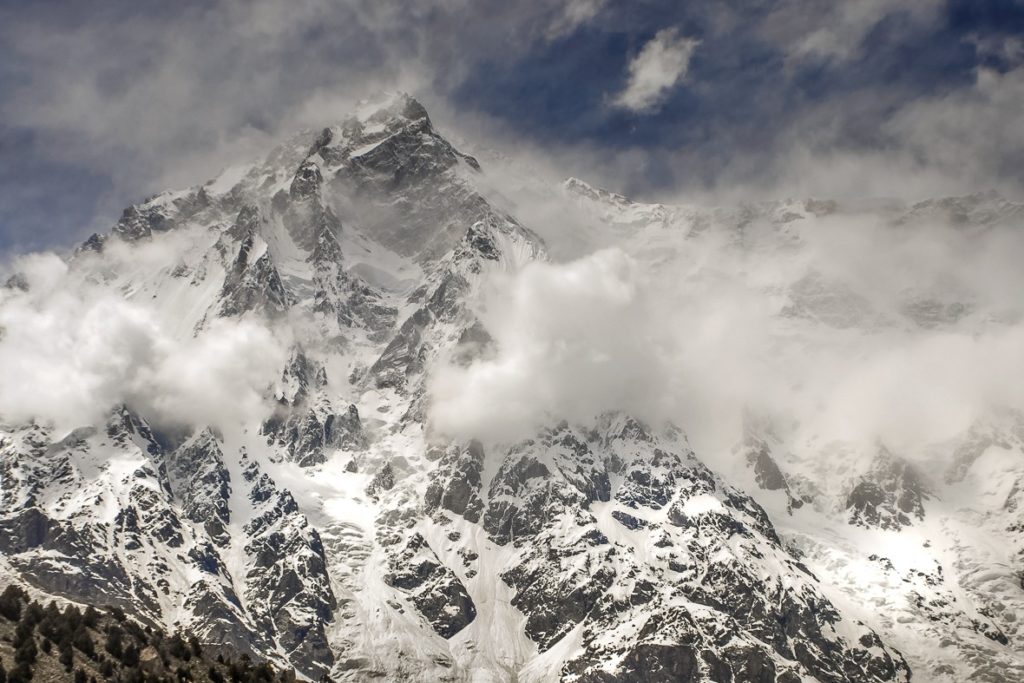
563, 353
71, 349
575, 13
104, 106
705, 328
811, 30
660, 64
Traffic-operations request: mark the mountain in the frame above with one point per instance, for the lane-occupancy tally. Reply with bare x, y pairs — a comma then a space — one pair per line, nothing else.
337, 534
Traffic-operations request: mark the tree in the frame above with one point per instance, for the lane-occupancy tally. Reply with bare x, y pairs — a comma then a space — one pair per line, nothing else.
263, 672
67, 656
72, 617
130, 657
22, 633
32, 614
83, 642
10, 603
107, 668
79, 676
21, 673
27, 652
135, 631
177, 648
51, 617
114, 641
91, 618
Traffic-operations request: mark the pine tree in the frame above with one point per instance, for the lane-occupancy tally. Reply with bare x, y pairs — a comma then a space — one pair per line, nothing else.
72, 617
10, 603
27, 652
22, 633
176, 647
130, 657
67, 656
21, 673
114, 645
83, 642
32, 614
91, 617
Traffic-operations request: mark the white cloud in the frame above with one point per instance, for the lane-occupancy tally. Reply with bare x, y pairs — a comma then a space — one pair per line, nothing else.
71, 350
575, 339
660, 64
689, 328
815, 30
574, 14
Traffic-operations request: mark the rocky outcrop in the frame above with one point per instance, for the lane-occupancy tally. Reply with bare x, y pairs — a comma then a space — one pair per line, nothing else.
306, 425
457, 488
716, 595
287, 586
890, 496
200, 481
434, 589
252, 282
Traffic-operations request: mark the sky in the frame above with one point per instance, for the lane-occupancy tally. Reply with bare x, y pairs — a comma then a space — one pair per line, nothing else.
105, 103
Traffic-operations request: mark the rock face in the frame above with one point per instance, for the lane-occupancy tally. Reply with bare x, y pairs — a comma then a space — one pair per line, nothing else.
433, 588
306, 425
889, 497
199, 480
334, 532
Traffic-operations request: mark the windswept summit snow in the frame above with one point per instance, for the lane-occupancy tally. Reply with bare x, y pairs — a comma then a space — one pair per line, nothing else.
326, 524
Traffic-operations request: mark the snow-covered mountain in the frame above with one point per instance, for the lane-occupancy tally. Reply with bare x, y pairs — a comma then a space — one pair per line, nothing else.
331, 528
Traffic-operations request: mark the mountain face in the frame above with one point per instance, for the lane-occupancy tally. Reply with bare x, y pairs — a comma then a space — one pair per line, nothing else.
338, 535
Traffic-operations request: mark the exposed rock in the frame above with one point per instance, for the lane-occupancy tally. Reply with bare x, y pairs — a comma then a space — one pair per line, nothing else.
890, 496
433, 588
457, 488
